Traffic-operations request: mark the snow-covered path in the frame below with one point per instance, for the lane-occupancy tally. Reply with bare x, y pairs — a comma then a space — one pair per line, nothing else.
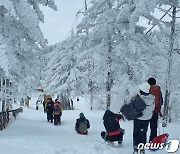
32, 134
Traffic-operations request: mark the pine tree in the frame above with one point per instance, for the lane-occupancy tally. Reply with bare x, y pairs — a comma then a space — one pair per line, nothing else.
22, 36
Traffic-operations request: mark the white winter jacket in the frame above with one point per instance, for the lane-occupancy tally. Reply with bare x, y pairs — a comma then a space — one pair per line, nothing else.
150, 105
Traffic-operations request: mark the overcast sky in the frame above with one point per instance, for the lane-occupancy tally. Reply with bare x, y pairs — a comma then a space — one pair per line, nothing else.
58, 23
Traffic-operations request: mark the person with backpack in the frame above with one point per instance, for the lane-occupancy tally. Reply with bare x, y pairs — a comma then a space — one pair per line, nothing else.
57, 111
49, 109
113, 130
156, 91
82, 125
140, 125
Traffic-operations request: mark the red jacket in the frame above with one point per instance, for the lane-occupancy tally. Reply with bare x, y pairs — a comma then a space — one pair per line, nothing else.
156, 91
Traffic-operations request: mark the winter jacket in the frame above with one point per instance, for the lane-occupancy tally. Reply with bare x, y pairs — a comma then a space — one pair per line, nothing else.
111, 123
156, 91
81, 120
59, 111
150, 105
50, 106
44, 104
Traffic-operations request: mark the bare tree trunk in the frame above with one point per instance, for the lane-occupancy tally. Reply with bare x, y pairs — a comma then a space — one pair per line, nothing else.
168, 82
109, 74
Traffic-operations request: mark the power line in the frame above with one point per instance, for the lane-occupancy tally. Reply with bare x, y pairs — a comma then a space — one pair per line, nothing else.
74, 22
83, 10
159, 19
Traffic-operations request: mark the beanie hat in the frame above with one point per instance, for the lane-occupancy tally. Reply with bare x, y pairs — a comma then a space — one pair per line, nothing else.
81, 115
145, 87
152, 81
107, 111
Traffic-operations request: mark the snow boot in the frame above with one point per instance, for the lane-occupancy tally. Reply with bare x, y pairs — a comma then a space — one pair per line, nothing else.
110, 143
119, 143
142, 151
135, 151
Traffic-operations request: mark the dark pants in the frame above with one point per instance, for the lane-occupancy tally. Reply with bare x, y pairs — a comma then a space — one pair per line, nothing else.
57, 119
49, 116
118, 137
140, 131
153, 126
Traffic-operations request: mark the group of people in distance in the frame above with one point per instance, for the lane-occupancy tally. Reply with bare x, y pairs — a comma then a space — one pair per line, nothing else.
152, 96
53, 110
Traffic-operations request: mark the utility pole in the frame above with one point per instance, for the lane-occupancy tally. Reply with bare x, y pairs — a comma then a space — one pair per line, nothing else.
90, 66
85, 8
166, 115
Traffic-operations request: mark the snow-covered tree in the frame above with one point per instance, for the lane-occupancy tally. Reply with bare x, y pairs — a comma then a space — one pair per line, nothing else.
20, 32
111, 40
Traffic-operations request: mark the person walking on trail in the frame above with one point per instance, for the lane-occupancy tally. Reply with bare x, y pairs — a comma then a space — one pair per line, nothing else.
22, 102
82, 125
45, 105
156, 91
141, 123
113, 130
72, 107
57, 111
37, 105
49, 108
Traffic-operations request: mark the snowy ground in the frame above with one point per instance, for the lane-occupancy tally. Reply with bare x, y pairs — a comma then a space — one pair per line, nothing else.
32, 134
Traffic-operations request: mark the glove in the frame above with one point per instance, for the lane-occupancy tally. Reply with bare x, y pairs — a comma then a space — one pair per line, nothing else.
121, 116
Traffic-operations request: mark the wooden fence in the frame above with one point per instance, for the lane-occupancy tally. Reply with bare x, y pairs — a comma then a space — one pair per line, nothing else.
5, 117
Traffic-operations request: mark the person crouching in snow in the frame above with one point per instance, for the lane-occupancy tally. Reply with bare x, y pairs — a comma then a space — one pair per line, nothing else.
113, 130
82, 125
57, 111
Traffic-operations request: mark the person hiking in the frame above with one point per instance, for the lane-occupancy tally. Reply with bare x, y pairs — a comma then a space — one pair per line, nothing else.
140, 125
113, 130
156, 91
49, 109
45, 105
57, 112
82, 125
37, 105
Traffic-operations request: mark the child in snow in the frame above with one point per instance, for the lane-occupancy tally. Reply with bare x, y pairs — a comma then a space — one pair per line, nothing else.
82, 125
113, 130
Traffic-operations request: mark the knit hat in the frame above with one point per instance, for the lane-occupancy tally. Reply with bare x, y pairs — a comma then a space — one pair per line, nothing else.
145, 87
152, 81
81, 115
107, 111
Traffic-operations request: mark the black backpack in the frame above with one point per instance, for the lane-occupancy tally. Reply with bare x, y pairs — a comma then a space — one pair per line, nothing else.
111, 123
134, 109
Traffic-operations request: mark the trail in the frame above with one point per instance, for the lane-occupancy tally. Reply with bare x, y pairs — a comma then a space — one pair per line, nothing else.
32, 134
